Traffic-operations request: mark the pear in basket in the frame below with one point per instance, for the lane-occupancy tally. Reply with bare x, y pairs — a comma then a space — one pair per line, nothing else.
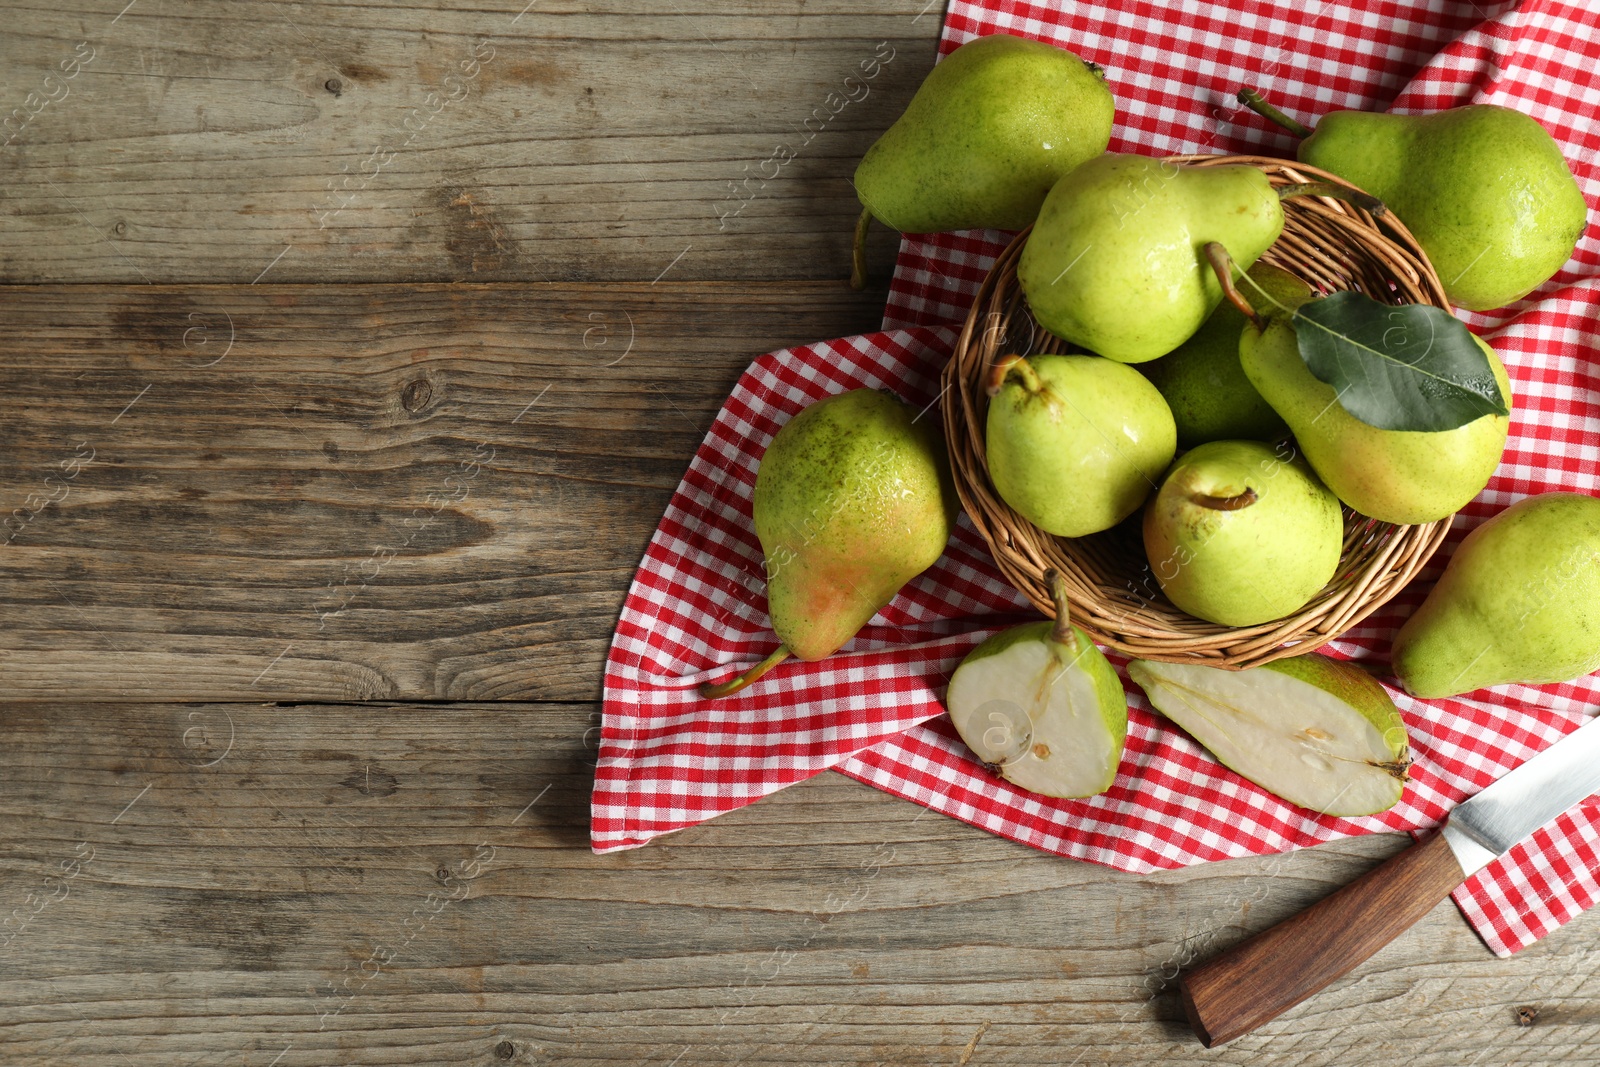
1075, 443
992, 128
1399, 476
1203, 383
852, 500
1114, 262
1242, 533
1484, 189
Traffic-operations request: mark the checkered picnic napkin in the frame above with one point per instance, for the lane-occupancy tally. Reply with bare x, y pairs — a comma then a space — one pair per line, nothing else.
697, 608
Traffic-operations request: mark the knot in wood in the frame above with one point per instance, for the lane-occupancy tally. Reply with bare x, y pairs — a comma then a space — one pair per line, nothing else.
505, 1050
416, 394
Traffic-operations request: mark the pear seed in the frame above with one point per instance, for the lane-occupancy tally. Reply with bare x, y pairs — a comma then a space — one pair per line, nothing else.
1315, 762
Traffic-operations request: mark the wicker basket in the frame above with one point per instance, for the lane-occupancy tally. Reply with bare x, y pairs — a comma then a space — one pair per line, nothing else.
1112, 592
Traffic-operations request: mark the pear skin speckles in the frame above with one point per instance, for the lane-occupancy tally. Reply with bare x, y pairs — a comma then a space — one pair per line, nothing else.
853, 499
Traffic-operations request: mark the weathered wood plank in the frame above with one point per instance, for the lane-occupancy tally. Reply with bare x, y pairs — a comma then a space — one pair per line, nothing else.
352, 492
380, 142
252, 879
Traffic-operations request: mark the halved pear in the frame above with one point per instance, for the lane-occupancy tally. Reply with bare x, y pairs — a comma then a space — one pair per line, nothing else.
1042, 707
1315, 731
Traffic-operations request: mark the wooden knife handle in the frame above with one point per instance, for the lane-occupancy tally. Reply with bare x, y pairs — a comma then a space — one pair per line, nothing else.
1279, 967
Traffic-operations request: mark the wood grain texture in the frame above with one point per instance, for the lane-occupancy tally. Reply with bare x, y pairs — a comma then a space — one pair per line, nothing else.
199, 142
253, 882
1257, 981
377, 492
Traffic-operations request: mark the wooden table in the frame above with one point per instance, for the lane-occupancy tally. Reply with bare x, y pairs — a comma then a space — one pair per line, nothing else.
350, 354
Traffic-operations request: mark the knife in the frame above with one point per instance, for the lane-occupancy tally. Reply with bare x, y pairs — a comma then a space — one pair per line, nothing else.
1278, 968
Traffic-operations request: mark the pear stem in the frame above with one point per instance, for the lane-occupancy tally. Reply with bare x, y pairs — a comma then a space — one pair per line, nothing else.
1222, 263
738, 682
1253, 100
1002, 370
1226, 503
1365, 201
858, 251
1061, 633
1400, 768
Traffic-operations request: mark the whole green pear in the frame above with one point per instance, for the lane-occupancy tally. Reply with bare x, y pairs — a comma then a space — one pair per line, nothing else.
1519, 601
853, 499
992, 128
1114, 263
1241, 533
1484, 189
1202, 381
1076, 443
1397, 476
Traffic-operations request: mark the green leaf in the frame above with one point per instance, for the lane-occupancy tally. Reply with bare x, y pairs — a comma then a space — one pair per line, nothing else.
1412, 367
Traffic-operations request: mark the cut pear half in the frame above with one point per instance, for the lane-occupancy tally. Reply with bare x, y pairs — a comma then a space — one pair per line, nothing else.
1317, 732
1042, 707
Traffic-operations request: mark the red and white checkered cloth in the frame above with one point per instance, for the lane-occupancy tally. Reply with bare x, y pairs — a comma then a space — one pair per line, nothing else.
697, 609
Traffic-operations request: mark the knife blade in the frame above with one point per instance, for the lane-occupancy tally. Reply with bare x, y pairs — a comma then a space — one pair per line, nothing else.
1485, 827
1278, 968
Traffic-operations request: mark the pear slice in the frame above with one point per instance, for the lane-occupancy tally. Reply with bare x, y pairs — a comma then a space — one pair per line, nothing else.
1315, 731
1042, 707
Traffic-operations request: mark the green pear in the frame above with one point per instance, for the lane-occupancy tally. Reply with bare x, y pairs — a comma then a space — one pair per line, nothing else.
1315, 731
1241, 533
1115, 262
1075, 443
992, 128
1210, 398
853, 499
1519, 601
1043, 707
1397, 476
1484, 189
